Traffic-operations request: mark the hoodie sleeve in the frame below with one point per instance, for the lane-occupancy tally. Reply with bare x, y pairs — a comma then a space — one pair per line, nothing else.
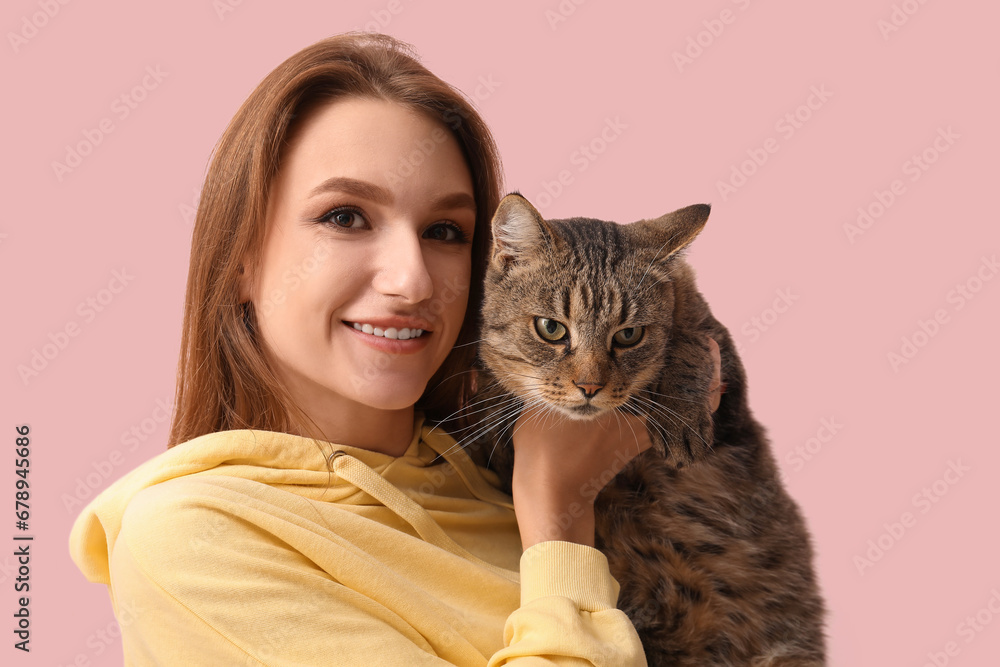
567, 613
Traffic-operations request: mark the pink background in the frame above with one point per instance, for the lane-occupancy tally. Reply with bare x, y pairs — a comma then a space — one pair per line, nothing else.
553, 88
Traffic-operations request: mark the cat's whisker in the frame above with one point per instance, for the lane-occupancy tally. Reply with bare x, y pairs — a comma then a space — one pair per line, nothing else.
652, 261
639, 412
528, 404
453, 375
618, 419
489, 400
653, 405
465, 407
676, 398
663, 407
469, 343
662, 411
490, 404
500, 439
507, 417
653, 419
509, 373
509, 407
457, 413
508, 412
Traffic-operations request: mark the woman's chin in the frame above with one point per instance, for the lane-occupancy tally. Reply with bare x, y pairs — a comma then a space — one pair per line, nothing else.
392, 397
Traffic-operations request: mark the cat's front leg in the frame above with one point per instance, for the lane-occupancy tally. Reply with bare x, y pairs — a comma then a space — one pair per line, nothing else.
678, 405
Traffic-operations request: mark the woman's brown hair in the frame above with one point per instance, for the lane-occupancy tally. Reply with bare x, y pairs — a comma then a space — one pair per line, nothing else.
223, 379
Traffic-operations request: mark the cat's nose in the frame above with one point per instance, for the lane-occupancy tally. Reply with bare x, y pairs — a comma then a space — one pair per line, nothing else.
589, 389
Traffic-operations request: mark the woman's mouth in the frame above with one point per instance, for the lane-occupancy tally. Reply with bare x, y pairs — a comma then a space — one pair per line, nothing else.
393, 333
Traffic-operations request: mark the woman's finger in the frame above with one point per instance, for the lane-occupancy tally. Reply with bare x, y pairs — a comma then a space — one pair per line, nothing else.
716, 388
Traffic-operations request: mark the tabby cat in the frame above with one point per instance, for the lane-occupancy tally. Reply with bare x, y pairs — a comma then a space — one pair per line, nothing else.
712, 555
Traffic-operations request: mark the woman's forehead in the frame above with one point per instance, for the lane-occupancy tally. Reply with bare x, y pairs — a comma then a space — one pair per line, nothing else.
374, 141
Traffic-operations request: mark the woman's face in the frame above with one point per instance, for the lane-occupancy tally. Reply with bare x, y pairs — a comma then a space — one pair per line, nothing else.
366, 262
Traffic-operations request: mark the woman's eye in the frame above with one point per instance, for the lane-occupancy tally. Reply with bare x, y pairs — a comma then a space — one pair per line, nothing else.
628, 336
344, 217
444, 232
550, 330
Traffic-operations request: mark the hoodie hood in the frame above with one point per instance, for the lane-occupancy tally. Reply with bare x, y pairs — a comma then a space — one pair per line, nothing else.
415, 485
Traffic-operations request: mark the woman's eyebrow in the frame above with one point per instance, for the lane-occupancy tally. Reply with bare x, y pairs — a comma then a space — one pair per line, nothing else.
453, 201
353, 186
380, 195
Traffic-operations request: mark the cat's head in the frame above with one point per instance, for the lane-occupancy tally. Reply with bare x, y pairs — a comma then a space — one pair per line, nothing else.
578, 313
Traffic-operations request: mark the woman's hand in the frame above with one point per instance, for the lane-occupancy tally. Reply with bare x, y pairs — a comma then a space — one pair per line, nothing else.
561, 464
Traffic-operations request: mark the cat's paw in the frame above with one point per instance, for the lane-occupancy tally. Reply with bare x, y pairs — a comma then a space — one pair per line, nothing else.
682, 427
689, 436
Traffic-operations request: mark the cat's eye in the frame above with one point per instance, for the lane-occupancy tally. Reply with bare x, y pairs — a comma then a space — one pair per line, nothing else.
629, 336
550, 330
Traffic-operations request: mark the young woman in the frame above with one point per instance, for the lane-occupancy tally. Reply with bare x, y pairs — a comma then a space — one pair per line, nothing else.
307, 511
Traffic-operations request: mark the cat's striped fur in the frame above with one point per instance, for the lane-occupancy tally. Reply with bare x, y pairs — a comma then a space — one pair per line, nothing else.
713, 556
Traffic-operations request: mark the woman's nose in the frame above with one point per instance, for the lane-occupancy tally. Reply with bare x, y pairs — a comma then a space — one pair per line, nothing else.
403, 270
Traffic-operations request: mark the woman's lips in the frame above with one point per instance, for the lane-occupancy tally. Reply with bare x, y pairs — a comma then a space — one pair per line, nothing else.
387, 344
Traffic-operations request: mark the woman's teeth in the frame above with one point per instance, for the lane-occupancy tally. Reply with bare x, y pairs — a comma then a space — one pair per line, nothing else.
390, 332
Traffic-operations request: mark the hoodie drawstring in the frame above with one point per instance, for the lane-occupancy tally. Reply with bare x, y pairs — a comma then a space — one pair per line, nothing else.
365, 478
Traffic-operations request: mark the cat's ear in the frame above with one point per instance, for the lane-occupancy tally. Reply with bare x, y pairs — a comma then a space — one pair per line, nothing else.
674, 231
518, 230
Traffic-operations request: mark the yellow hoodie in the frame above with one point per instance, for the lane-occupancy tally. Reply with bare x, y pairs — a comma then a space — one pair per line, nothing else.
243, 548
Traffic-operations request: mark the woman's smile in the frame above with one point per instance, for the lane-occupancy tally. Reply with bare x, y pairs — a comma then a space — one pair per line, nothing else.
394, 335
